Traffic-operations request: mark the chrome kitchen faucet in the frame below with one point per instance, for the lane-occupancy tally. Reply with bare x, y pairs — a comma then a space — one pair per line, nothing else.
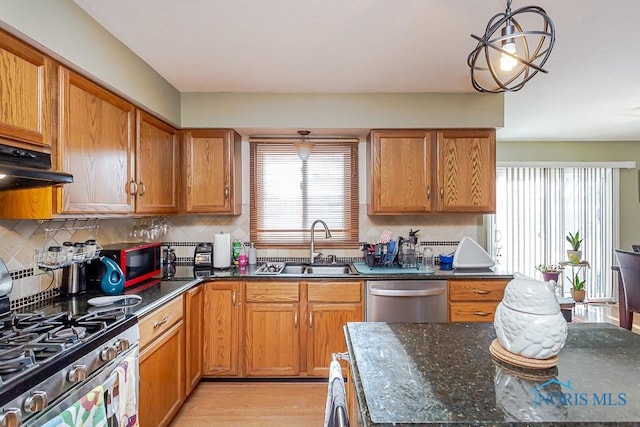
327, 235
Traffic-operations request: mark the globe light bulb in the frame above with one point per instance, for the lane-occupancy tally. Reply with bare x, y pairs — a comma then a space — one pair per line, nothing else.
508, 62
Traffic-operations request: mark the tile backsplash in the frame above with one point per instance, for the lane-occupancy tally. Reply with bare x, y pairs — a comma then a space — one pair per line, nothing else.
19, 239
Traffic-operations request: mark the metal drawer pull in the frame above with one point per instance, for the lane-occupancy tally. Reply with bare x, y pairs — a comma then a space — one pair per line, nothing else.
233, 298
310, 320
164, 320
295, 320
481, 292
481, 313
428, 193
406, 293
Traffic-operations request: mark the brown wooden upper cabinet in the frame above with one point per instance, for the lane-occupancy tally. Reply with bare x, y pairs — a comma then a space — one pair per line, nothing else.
212, 180
123, 160
96, 131
157, 166
25, 95
431, 171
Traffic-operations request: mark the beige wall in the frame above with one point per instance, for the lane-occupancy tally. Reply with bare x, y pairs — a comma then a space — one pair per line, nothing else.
66, 32
601, 151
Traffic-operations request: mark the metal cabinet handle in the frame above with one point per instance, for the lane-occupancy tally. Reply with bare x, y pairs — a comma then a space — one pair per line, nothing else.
428, 193
406, 293
143, 189
481, 313
133, 188
226, 192
11, 417
233, 298
310, 320
295, 320
442, 192
164, 320
480, 291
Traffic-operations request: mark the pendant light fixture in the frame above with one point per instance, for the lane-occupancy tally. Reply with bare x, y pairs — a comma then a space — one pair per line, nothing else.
507, 56
304, 146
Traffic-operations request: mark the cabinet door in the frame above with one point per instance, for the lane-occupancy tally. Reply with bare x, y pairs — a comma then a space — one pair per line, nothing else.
400, 172
25, 94
96, 147
466, 171
162, 378
221, 328
194, 302
325, 334
156, 165
272, 339
212, 166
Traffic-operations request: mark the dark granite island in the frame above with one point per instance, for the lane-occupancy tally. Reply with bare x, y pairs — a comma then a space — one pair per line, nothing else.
418, 374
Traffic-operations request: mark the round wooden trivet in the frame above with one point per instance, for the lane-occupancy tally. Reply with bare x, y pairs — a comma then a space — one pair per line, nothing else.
499, 352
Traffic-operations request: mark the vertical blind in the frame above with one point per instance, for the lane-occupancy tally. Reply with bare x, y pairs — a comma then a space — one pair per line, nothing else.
288, 194
537, 207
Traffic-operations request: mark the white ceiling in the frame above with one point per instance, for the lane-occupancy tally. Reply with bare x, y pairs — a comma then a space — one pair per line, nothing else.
299, 46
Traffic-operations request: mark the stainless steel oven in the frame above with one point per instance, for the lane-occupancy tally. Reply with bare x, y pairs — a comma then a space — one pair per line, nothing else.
49, 361
406, 301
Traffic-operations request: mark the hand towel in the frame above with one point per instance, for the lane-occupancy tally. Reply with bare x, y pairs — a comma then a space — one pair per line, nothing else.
122, 396
89, 411
336, 398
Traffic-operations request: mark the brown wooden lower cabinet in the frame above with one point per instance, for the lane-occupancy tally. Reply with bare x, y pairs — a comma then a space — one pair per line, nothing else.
475, 300
194, 322
221, 331
162, 367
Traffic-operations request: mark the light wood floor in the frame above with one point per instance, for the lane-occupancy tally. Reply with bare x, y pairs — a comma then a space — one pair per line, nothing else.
254, 404
299, 403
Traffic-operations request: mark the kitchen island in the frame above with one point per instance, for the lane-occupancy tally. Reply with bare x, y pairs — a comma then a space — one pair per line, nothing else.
420, 374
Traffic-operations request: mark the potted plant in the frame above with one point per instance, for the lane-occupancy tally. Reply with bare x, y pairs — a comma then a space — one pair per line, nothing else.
549, 271
577, 288
575, 254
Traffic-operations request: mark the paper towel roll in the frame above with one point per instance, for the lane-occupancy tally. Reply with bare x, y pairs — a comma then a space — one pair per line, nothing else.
221, 250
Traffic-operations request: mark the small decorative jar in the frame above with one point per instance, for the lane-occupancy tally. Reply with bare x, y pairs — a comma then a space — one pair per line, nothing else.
528, 320
54, 256
90, 248
78, 251
67, 248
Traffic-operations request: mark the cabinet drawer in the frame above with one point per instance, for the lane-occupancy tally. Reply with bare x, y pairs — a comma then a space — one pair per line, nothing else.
272, 292
476, 290
334, 292
472, 311
160, 320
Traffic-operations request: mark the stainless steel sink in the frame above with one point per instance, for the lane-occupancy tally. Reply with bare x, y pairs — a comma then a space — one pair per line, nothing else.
294, 269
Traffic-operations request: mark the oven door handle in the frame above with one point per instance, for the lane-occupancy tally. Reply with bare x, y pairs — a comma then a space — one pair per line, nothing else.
406, 292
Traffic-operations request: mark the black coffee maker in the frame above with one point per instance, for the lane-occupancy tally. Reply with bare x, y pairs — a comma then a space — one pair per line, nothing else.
74, 279
203, 256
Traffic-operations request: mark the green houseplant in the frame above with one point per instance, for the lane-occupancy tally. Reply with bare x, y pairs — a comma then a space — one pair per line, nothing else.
577, 287
549, 271
575, 254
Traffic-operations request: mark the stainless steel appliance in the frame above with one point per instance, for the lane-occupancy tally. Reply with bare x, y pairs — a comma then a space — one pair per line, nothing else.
22, 168
48, 361
406, 301
74, 280
203, 255
138, 262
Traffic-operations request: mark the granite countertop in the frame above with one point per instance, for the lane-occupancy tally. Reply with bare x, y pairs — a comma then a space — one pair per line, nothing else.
419, 374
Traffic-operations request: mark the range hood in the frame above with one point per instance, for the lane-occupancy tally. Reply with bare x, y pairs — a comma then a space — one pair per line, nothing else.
20, 169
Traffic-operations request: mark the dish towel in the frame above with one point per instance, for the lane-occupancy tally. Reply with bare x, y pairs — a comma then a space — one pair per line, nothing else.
336, 408
122, 396
89, 411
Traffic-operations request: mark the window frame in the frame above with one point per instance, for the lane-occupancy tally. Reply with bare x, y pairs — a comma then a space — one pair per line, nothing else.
346, 236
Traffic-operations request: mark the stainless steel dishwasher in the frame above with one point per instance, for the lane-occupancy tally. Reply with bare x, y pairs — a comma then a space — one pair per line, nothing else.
419, 301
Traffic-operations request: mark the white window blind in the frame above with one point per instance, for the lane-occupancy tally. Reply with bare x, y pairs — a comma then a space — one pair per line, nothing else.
536, 207
287, 194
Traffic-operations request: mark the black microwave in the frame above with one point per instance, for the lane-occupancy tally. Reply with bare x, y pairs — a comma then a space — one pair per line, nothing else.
138, 262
